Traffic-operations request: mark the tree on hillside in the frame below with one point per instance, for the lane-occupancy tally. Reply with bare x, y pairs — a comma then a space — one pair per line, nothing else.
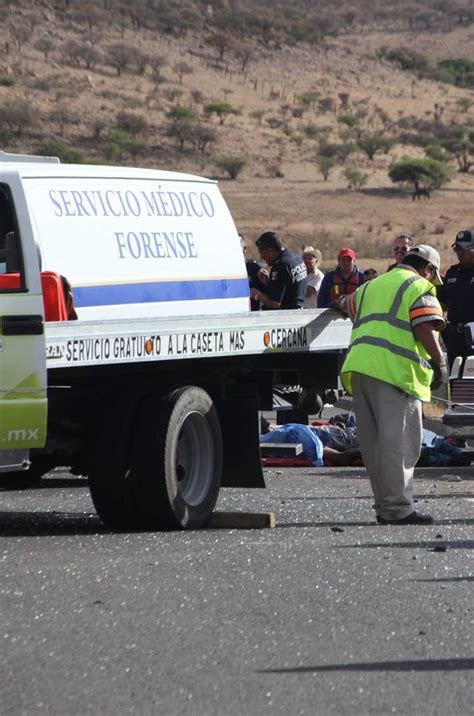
325, 164
45, 45
121, 56
370, 144
344, 97
222, 41
89, 14
462, 146
202, 136
245, 54
181, 125
62, 115
334, 150
21, 32
327, 104
221, 109
181, 69
88, 54
427, 174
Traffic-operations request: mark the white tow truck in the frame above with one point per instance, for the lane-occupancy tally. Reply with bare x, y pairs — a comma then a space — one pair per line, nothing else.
152, 385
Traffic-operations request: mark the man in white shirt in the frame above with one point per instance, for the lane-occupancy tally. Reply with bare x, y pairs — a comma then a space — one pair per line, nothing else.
312, 257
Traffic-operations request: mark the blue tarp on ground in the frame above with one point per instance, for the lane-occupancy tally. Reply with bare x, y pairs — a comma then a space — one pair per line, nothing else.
297, 433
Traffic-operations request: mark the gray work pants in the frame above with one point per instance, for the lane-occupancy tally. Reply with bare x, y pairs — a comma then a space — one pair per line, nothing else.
390, 431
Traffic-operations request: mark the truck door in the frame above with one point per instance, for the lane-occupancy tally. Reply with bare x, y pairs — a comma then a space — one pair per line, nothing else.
23, 403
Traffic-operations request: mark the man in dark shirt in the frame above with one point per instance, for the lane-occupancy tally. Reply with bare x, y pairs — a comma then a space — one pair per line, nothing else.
457, 296
285, 282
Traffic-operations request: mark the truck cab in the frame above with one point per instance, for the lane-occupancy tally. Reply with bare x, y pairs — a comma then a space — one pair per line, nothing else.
23, 399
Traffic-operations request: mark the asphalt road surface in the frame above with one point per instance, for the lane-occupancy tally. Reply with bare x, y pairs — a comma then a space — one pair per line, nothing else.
327, 613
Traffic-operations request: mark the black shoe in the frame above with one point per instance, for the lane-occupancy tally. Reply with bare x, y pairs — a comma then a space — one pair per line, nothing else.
414, 518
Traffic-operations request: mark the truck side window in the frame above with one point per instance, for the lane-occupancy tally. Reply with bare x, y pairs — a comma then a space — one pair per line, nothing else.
10, 258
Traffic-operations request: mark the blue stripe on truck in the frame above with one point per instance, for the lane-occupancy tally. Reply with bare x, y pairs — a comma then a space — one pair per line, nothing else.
157, 292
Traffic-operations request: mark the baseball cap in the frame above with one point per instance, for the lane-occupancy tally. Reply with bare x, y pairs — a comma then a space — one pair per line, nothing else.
312, 252
347, 252
428, 253
464, 239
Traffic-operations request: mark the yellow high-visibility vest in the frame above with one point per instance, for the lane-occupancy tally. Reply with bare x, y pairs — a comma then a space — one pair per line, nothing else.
382, 343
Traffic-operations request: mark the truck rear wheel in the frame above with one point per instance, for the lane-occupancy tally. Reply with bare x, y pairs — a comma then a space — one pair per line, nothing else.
178, 453
110, 474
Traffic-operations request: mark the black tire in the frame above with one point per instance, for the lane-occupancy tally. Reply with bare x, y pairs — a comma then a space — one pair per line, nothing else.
110, 475
178, 452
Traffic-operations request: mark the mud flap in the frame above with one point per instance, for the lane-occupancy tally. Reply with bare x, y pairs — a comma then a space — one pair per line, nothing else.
240, 431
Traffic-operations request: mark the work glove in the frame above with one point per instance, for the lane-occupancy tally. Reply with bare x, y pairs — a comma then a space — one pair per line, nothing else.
440, 374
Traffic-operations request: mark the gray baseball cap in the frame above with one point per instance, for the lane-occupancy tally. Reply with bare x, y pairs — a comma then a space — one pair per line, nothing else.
428, 253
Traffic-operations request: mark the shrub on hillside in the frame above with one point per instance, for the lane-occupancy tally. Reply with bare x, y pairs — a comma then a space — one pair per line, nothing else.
132, 123
181, 112
406, 58
121, 143
62, 115
460, 69
18, 116
67, 154
436, 152
350, 120
232, 165
356, 178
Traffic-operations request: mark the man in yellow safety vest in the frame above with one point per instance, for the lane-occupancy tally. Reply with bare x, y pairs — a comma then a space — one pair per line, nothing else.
394, 360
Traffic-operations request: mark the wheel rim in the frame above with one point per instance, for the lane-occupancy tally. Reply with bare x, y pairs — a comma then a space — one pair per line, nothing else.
194, 460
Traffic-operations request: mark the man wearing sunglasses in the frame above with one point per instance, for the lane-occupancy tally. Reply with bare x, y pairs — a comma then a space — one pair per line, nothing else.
457, 296
402, 243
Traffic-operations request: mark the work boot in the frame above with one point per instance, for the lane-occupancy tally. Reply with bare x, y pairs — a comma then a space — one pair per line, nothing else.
414, 518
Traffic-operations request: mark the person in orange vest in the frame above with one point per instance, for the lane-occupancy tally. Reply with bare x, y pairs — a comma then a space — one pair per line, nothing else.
345, 279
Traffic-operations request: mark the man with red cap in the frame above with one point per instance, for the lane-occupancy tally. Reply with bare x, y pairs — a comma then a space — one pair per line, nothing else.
345, 279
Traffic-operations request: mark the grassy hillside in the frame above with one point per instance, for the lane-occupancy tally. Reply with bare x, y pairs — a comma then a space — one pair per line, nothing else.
277, 93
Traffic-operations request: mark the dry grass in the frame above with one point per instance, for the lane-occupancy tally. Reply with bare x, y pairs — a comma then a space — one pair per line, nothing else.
300, 205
